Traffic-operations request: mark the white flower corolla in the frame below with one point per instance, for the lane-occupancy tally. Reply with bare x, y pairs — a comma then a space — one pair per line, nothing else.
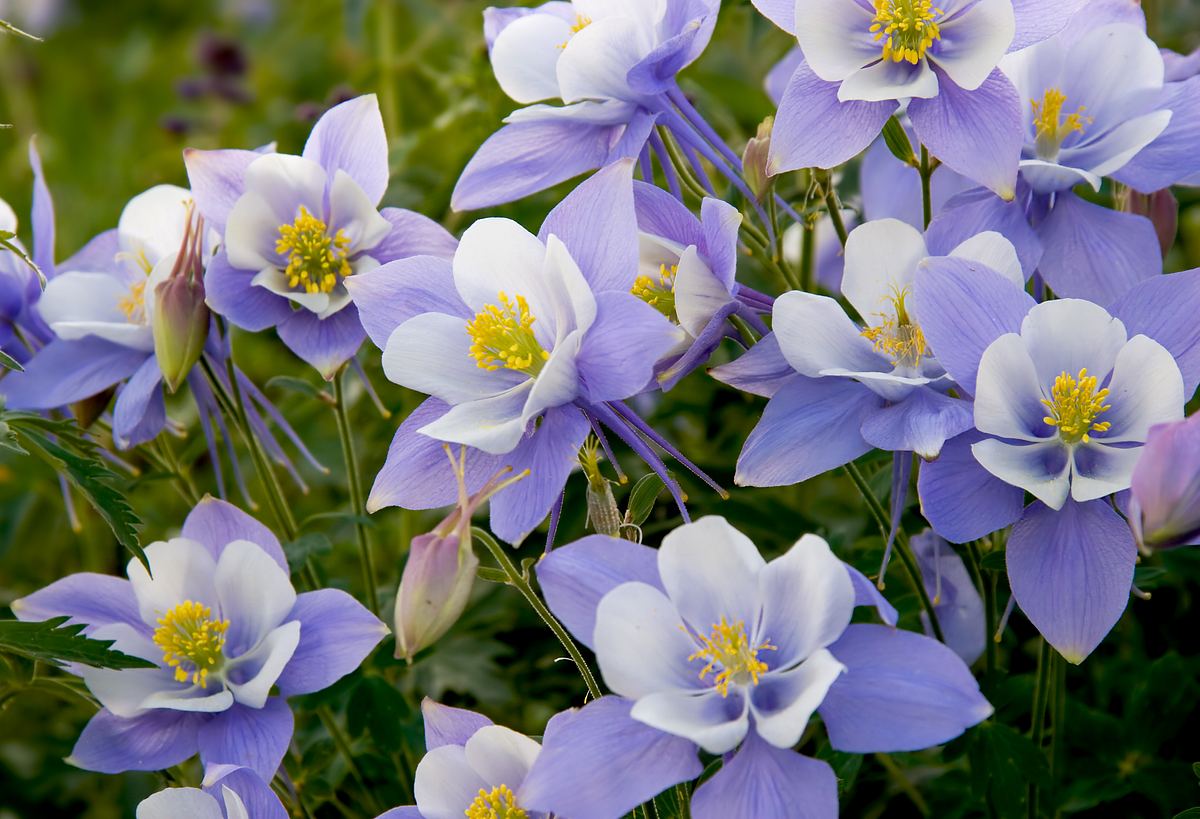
480, 780
192, 803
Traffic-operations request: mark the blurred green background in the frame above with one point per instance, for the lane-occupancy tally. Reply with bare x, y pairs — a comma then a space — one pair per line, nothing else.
115, 93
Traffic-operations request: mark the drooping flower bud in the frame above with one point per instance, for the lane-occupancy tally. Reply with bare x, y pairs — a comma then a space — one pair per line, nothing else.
440, 571
1164, 507
1160, 207
754, 161
180, 321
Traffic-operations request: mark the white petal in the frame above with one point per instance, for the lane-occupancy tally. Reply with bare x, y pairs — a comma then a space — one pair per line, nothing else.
501, 756
1066, 335
698, 293
807, 602
255, 594
8, 217
815, 335
641, 643
602, 112
1050, 177
710, 570
973, 42
994, 251
1043, 469
195, 700
1098, 471
79, 304
494, 424
525, 54
1110, 152
499, 256
251, 233
715, 723
558, 382
888, 80
431, 353
182, 570
273, 279
286, 183
574, 304
783, 703
445, 784
271, 656
891, 386
355, 215
1146, 388
597, 59
1108, 69
881, 260
835, 36
235, 808
153, 222
1009, 392
176, 803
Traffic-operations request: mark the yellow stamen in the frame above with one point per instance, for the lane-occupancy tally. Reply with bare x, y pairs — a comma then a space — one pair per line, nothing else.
581, 22
134, 305
729, 648
316, 260
191, 641
1051, 126
658, 294
502, 336
499, 803
897, 336
1074, 405
907, 28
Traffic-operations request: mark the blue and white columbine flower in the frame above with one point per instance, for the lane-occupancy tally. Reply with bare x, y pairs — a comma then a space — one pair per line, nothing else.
217, 615
704, 641
294, 227
229, 792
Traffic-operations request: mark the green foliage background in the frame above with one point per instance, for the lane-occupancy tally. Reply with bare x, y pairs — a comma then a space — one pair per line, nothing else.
110, 96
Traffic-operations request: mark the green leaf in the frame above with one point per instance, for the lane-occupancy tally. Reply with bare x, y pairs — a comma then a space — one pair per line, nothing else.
7, 237
299, 385
1003, 764
1196, 769
62, 445
641, 499
50, 641
304, 547
491, 575
897, 141
9, 28
995, 561
10, 363
1190, 813
673, 803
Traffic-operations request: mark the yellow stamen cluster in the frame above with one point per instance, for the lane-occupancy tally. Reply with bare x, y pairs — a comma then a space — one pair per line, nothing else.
1074, 405
1051, 126
502, 336
316, 260
729, 648
581, 22
499, 803
191, 641
897, 336
907, 28
134, 305
660, 293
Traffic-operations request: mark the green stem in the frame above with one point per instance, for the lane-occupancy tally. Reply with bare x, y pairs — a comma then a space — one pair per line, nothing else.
834, 206
356, 493
808, 257
160, 454
760, 247
903, 783
385, 37
1037, 729
988, 591
682, 168
926, 170
342, 742
518, 580
1058, 715
903, 549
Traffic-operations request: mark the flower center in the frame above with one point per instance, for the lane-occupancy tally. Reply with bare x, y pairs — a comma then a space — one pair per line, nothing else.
729, 648
660, 293
907, 28
499, 803
898, 336
1051, 126
134, 305
1074, 405
316, 260
191, 641
581, 22
502, 336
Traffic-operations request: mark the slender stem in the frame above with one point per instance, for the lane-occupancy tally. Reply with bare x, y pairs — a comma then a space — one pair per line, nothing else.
988, 590
903, 783
385, 38
161, 455
518, 580
1058, 715
926, 170
834, 206
1041, 692
808, 257
902, 545
357, 504
342, 742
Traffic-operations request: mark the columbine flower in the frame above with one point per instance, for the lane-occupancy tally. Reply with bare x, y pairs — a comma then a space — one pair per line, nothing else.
523, 343
704, 641
1164, 506
611, 62
294, 227
956, 602
1065, 395
230, 792
217, 614
861, 59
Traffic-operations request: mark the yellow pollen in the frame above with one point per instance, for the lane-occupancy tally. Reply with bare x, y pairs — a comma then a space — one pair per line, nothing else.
316, 260
898, 336
581, 22
502, 336
1074, 405
499, 803
658, 294
729, 648
134, 305
1051, 126
907, 28
191, 641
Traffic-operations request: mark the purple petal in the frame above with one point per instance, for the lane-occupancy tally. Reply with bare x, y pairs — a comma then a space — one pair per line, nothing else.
956, 601
761, 370
412, 235
229, 293
655, 73
410, 811
598, 762
449, 726
63, 372
1095, 253
41, 214
781, 73
256, 795
921, 423
1165, 489
215, 524
977, 133
618, 354
810, 426
139, 413
866, 593
661, 214
94, 599
721, 222
963, 501
549, 453
813, 129
761, 780
598, 225
972, 212
98, 254
350, 137
1163, 308
901, 692
256, 738
1038, 20
154, 741
390, 295
327, 343
962, 307
1071, 572
217, 179
780, 12
574, 578
336, 634
1172, 157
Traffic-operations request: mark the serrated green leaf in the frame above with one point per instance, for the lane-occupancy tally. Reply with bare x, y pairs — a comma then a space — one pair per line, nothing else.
642, 497
10, 363
50, 641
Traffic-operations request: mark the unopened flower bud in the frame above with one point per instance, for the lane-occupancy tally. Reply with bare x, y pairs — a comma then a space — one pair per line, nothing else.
1164, 506
754, 161
180, 320
602, 513
1160, 207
